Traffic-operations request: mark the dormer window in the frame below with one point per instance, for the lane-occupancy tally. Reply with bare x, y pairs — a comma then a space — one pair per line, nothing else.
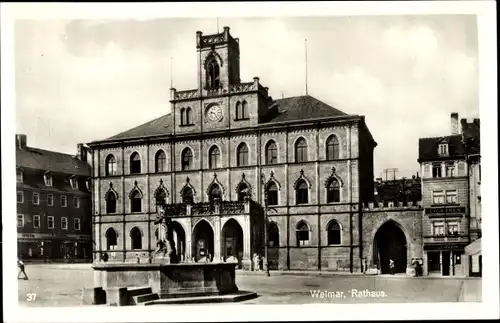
443, 149
19, 175
74, 183
47, 179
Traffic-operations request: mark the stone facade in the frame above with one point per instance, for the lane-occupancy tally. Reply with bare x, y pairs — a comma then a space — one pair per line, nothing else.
321, 168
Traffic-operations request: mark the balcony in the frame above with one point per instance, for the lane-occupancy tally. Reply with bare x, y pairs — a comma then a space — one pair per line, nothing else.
443, 239
205, 208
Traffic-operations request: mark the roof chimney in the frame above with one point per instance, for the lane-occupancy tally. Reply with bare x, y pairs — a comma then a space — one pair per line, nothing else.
454, 123
21, 141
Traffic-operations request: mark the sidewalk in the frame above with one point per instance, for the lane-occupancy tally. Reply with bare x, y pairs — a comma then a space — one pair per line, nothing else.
471, 291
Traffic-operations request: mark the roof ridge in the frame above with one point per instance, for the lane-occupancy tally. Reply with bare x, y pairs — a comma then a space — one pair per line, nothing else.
28, 148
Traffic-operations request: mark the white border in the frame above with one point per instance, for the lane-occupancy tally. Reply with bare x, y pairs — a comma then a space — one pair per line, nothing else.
485, 11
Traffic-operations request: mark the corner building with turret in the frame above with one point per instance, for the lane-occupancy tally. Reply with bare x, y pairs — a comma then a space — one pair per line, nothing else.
224, 152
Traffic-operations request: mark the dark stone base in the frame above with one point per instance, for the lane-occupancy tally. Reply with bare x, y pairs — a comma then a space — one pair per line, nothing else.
168, 281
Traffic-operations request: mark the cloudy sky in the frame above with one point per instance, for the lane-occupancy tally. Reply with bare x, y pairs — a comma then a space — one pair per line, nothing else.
84, 80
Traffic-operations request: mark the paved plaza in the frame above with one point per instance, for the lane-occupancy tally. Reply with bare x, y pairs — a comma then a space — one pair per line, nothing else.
61, 285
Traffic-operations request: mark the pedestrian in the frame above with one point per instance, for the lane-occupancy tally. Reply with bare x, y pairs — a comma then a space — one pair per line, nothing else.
365, 265
20, 264
391, 266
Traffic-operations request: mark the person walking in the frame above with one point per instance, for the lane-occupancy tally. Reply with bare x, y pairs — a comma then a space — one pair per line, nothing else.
20, 264
365, 265
391, 266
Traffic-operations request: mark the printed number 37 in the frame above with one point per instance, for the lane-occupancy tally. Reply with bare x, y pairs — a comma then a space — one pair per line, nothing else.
31, 297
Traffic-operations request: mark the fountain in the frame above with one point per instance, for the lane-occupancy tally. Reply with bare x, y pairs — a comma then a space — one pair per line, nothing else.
164, 279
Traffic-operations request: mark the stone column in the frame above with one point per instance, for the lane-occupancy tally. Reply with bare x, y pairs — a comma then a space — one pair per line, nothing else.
247, 259
441, 261
425, 270
189, 246
217, 242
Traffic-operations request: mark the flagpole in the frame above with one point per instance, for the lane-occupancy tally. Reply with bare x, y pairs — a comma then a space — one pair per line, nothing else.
307, 92
171, 73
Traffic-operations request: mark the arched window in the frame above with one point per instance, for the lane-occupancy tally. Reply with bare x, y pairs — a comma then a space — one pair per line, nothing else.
242, 192
332, 148
302, 234
272, 194
136, 238
301, 150
136, 202
110, 165
160, 161
183, 116
214, 157
274, 235
238, 110
244, 110
302, 192
334, 232
242, 153
213, 77
161, 196
214, 193
111, 203
135, 163
271, 153
187, 196
187, 159
333, 191
111, 239
189, 116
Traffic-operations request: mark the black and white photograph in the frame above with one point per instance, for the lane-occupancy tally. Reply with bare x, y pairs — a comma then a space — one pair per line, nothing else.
205, 159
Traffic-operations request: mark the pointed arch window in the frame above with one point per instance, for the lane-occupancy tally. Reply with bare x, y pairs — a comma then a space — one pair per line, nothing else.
110, 165
213, 74
274, 235
333, 191
111, 239
161, 196
187, 159
188, 116
272, 194
242, 192
135, 163
136, 238
111, 203
334, 233
242, 154
271, 153
214, 157
332, 148
302, 192
301, 150
183, 116
238, 110
187, 195
136, 202
302, 234
160, 161
215, 193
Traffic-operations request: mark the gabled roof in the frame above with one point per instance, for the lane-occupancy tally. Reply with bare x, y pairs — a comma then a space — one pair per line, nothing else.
47, 160
428, 147
300, 108
158, 126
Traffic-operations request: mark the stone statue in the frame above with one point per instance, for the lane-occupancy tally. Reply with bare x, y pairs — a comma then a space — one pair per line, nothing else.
166, 246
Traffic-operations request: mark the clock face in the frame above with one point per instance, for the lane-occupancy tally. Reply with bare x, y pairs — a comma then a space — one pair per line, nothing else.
214, 113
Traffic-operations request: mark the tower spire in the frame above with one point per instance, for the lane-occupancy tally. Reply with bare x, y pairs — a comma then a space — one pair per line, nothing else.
171, 73
305, 43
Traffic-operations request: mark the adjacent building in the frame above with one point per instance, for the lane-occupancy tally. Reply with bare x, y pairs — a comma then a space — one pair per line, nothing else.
448, 185
53, 204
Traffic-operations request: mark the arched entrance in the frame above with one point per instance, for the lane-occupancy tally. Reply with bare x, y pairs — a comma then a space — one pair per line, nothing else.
390, 243
179, 236
203, 238
232, 240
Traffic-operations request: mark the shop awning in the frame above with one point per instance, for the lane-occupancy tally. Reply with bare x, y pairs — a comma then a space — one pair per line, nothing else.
474, 247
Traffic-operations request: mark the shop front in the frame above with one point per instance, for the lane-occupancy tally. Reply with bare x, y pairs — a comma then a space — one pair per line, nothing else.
444, 260
45, 247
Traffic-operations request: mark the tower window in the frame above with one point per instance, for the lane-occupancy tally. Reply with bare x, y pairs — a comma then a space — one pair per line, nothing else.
213, 74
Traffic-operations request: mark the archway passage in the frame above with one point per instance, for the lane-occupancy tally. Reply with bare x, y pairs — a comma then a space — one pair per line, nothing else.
390, 243
179, 236
232, 244
203, 238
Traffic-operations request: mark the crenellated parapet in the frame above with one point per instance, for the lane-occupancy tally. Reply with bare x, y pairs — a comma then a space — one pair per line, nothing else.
392, 205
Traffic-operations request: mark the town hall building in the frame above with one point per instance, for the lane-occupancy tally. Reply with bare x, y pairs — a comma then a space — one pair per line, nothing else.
227, 159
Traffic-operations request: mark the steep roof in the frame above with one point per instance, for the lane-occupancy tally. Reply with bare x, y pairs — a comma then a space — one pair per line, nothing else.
300, 108
56, 162
428, 147
282, 110
158, 126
